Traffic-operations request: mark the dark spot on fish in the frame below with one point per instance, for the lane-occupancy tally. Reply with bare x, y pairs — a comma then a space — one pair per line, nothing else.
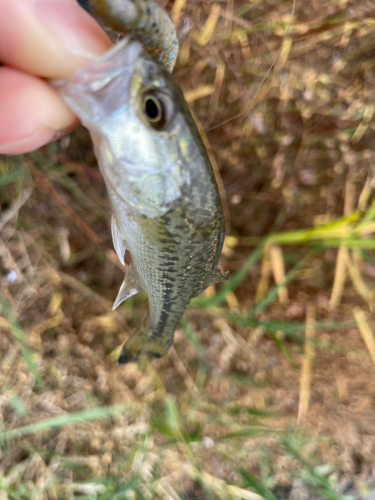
170, 269
174, 259
171, 279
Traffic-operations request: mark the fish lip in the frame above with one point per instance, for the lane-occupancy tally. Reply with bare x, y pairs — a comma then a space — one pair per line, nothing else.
127, 59
78, 91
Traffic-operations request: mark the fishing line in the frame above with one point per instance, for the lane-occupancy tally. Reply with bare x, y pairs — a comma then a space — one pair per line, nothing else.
249, 107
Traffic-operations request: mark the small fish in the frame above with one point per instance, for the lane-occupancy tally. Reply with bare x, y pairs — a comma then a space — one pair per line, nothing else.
163, 193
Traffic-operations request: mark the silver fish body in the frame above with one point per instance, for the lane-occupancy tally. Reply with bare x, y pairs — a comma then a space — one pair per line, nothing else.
165, 201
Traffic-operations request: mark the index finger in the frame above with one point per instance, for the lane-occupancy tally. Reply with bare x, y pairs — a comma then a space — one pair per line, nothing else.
49, 38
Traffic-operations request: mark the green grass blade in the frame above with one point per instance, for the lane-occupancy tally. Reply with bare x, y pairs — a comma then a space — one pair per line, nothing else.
172, 413
272, 294
67, 419
311, 476
117, 492
249, 432
235, 280
192, 338
257, 485
20, 336
17, 404
250, 410
13, 176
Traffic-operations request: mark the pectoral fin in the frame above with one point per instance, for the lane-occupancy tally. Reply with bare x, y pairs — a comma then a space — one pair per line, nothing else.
118, 241
130, 286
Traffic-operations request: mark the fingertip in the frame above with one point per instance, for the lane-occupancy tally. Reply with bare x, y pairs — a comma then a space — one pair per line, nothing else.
32, 113
49, 38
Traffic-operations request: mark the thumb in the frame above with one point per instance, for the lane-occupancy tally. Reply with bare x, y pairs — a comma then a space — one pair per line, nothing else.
49, 38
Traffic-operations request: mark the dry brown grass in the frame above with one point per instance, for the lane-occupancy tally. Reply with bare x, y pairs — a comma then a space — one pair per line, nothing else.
221, 410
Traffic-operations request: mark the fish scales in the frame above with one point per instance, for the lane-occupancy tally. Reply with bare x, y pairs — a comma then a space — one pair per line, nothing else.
164, 198
181, 248
143, 18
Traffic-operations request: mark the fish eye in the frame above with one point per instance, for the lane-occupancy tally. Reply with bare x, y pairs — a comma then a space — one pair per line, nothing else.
153, 109
157, 109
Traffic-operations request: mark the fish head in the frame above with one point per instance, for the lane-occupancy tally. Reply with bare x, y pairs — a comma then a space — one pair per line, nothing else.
144, 342
130, 105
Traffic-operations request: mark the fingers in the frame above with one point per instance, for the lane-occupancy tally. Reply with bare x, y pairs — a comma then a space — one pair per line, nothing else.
32, 113
49, 38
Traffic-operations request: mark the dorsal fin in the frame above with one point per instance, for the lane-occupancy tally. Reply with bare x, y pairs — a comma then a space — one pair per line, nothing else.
118, 241
130, 286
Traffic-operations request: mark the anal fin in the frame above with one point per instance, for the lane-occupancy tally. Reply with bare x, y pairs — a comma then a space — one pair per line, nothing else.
118, 241
130, 286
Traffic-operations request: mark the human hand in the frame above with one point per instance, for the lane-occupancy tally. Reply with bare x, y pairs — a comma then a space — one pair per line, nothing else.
41, 39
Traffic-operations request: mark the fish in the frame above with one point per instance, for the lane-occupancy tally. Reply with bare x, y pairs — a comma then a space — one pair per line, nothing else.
166, 208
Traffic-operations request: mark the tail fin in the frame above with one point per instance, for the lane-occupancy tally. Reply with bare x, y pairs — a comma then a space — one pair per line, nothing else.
143, 341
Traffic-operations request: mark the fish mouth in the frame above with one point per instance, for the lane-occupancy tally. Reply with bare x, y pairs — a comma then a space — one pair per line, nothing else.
82, 91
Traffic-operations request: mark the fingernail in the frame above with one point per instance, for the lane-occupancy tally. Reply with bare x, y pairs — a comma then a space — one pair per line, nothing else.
63, 132
25, 144
75, 27
33, 141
